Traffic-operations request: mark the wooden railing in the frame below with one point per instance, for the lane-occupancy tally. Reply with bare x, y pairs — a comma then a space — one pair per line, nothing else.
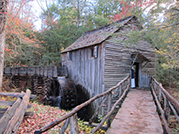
49, 71
120, 91
166, 104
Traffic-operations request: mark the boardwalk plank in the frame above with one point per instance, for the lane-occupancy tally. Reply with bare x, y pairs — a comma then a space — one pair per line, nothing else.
137, 116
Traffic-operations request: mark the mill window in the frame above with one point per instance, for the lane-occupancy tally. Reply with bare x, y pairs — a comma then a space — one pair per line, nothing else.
69, 54
94, 51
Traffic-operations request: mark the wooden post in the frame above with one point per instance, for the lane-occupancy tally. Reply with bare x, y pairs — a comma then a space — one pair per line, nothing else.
109, 108
62, 131
129, 82
167, 112
165, 101
154, 86
14, 94
74, 124
120, 91
159, 94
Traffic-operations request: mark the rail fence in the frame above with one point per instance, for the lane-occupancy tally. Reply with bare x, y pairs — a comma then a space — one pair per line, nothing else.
13, 116
120, 91
166, 104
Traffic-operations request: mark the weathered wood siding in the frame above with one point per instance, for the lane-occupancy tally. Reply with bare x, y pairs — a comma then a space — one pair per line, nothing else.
118, 58
86, 70
113, 62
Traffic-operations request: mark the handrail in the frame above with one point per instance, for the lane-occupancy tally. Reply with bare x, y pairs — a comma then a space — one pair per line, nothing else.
175, 102
77, 108
165, 103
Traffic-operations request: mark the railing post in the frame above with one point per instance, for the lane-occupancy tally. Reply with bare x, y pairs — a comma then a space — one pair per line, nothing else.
129, 82
155, 86
74, 124
109, 108
167, 112
120, 90
159, 94
64, 127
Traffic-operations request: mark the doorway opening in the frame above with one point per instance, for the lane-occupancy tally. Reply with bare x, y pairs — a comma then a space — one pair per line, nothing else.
136, 74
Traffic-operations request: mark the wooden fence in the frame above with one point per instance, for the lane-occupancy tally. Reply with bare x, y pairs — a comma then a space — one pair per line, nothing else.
119, 90
13, 116
166, 104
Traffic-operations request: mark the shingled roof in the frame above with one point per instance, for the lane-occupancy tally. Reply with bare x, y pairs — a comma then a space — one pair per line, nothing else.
97, 36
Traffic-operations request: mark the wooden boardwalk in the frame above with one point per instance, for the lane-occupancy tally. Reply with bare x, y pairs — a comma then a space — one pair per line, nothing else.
137, 115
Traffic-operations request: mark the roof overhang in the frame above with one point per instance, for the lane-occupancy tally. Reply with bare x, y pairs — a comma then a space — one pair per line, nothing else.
138, 57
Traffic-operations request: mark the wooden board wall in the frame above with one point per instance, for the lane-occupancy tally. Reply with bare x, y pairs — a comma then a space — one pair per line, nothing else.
112, 64
118, 58
86, 70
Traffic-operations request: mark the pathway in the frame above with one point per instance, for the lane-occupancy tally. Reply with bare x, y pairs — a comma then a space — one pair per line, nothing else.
137, 115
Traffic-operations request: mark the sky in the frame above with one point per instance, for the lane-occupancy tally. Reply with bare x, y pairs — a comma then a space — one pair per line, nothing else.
37, 11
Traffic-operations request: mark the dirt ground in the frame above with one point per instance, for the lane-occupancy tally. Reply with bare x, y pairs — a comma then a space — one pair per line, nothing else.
137, 115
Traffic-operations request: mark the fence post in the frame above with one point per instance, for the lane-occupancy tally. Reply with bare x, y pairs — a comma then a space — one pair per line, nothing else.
109, 108
64, 127
159, 94
120, 90
167, 112
74, 124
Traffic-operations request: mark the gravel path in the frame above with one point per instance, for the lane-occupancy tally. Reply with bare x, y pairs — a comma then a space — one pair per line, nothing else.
137, 115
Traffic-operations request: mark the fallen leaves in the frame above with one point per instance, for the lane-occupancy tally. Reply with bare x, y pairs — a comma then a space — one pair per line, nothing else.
43, 115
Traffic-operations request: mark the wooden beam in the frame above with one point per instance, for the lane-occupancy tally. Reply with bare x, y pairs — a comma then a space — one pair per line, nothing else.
19, 114
14, 94
109, 108
8, 115
7, 103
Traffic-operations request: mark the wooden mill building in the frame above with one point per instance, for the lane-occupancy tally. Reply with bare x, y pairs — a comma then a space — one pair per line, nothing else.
101, 58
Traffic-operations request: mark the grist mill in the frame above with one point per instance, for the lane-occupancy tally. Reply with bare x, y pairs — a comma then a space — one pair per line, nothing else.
96, 61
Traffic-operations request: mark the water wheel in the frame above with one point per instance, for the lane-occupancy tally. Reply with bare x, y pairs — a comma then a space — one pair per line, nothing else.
68, 93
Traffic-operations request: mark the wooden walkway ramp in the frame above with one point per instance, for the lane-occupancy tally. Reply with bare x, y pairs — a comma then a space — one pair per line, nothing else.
137, 115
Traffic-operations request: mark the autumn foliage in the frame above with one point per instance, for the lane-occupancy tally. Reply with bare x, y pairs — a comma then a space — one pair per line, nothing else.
129, 8
19, 30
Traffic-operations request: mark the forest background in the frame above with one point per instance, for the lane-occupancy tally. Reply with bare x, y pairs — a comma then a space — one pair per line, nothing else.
64, 21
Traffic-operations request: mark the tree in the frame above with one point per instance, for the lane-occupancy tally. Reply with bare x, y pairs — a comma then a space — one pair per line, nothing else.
21, 41
3, 14
168, 51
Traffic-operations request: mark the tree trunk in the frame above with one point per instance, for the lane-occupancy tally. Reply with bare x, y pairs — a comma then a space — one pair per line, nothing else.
3, 13
2, 36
